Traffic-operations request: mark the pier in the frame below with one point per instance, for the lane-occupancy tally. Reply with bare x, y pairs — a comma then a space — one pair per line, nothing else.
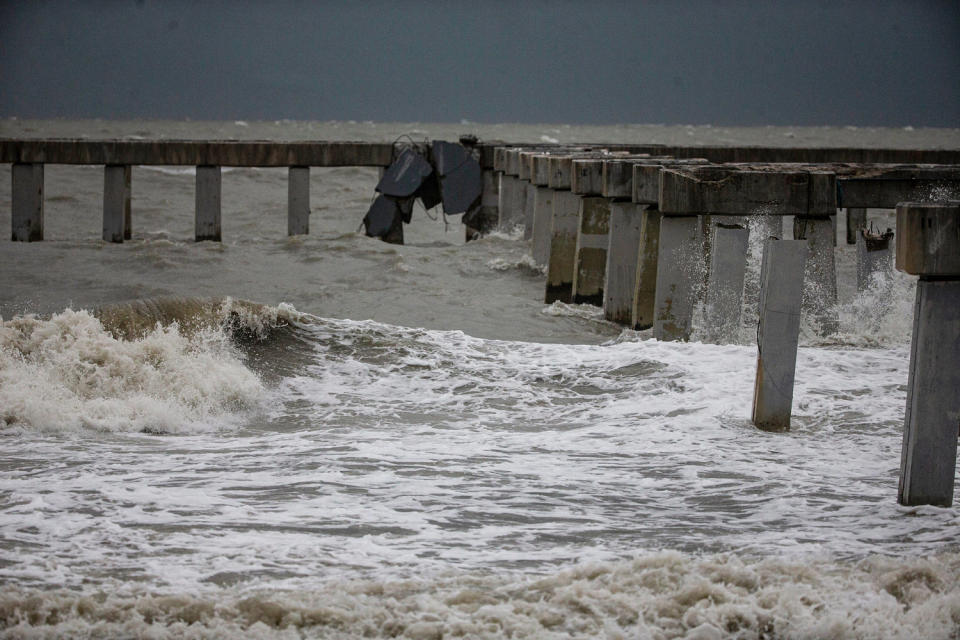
648, 233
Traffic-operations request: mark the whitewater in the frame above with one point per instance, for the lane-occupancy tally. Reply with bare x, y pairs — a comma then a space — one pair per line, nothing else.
327, 436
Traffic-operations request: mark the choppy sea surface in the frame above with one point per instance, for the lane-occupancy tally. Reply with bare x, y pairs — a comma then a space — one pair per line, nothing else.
328, 436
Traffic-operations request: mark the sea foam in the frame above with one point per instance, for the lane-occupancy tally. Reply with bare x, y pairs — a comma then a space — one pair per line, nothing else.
72, 372
660, 596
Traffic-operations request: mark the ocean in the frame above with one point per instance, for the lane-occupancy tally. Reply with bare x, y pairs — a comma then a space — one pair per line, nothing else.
328, 436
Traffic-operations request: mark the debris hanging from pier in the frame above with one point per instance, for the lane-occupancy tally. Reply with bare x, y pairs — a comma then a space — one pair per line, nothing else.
440, 172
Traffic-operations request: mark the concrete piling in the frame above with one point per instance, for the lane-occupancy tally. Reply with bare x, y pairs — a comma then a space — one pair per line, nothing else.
542, 208
515, 197
680, 271
874, 255
298, 201
623, 250
207, 221
542, 222
590, 262
27, 195
488, 217
928, 245
781, 285
529, 204
644, 298
856, 221
820, 277
116, 202
563, 246
525, 167
724, 299
512, 199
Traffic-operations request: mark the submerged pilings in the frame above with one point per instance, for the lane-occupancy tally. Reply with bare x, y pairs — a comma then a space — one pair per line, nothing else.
648, 231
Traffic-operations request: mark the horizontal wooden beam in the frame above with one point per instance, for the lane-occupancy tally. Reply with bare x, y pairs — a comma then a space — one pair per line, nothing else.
225, 153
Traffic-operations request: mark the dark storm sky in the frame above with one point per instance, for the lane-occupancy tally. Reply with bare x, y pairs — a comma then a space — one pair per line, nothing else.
770, 62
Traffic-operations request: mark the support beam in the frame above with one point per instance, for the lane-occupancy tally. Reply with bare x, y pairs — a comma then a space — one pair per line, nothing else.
116, 203
27, 195
623, 251
207, 221
593, 237
781, 283
724, 300
298, 201
820, 277
679, 277
644, 298
563, 247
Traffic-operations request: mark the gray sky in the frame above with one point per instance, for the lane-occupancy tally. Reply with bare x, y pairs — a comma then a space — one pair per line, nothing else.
793, 62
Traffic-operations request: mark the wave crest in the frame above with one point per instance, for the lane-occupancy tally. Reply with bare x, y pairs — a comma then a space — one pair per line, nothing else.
152, 366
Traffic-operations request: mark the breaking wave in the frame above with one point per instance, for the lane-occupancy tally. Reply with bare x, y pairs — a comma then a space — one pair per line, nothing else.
158, 366
659, 595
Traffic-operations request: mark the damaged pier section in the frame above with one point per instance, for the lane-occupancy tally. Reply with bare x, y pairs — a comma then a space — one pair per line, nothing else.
647, 231
441, 173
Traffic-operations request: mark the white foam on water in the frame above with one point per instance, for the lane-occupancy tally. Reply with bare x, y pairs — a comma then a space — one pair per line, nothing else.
68, 373
656, 595
525, 264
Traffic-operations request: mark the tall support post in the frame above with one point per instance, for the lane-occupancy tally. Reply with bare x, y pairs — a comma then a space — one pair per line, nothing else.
820, 286
644, 298
563, 247
781, 284
623, 251
856, 221
511, 202
928, 245
27, 195
542, 222
590, 263
542, 208
207, 221
116, 203
529, 202
298, 201
524, 167
724, 300
680, 269
513, 193
486, 219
